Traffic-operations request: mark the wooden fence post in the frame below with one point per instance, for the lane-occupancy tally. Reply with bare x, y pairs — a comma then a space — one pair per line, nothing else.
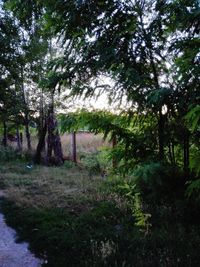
73, 143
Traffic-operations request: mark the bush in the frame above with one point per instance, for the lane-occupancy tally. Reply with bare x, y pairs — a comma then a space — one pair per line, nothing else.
8, 154
102, 237
90, 161
159, 183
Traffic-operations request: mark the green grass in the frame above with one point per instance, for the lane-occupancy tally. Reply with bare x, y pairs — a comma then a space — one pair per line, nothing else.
99, 237
64, 238
72, 217
47, 186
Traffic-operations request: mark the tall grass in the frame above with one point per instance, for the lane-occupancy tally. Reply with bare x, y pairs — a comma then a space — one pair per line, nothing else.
72, 216
43, 186
86, 143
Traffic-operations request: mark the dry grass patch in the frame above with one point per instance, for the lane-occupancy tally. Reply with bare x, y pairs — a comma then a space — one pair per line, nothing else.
86, 142
48, 186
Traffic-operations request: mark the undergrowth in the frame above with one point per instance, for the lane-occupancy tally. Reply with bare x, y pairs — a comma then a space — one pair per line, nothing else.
73, 219
100, 237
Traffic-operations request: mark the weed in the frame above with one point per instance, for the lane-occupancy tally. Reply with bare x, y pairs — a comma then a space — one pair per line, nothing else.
8, 154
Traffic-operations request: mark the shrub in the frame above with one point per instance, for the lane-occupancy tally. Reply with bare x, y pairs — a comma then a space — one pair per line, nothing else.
102, 237
8, 154
90, 161
159, 183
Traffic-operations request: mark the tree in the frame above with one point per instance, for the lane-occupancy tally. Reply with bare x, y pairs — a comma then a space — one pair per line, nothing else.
135, 56
9, 99
33, 58
150, 54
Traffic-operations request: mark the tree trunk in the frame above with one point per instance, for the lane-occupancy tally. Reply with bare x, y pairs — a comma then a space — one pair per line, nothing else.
26, 111
161, 123
40, 146
58, 149
5, 139
42, 121
171, 152
161, 135
53, 142
50, 139
19, 144
28, 136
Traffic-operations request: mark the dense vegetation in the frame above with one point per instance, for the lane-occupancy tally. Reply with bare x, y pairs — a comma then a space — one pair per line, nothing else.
144, 210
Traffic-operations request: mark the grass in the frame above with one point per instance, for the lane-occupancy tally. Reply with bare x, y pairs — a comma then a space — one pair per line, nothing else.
72, 216
86, 143
47, 186
69, 183
61, 212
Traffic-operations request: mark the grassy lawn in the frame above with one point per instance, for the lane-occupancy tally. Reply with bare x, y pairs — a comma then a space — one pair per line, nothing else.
43, 186
62, 212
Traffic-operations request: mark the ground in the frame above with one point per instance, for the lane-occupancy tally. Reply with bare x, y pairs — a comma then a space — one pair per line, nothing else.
13, 254
71, 188
56, 203
74, 216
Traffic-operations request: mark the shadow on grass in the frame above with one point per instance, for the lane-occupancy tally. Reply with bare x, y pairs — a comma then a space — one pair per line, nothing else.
103, 236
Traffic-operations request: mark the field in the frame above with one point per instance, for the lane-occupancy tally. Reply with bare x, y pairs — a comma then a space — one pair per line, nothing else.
86, 143
75, 215
46, 187
61, 198
40, 186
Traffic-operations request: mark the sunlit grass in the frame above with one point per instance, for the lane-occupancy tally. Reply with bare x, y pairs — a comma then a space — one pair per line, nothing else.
85, 143
43, 186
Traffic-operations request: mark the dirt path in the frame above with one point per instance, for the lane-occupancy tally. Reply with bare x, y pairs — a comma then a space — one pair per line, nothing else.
14, 254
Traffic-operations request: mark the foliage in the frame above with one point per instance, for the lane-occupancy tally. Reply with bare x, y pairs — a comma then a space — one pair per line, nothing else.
128, 132
193, 117
157, 72
8, 154
193, 189
194, 161
90, 161
96, 121
129, 192
159, 183
108, 237
150, 50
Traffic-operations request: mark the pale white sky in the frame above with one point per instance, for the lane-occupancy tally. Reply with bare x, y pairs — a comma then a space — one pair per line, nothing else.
101, 101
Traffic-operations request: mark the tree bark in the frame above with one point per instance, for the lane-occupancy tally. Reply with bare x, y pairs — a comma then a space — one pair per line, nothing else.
161, 135
42, 120
53, 142
28, 136
26, 120
50, 138
58, 149
41, 144
171, 152
161, 122
19, 144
